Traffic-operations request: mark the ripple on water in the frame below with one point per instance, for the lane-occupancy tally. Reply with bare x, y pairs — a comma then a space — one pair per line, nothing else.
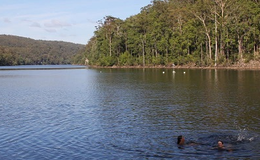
126, 114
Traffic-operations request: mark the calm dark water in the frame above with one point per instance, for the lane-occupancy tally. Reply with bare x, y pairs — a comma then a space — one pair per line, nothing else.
128, 114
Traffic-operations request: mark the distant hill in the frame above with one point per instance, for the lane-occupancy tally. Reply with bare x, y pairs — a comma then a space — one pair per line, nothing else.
16, 50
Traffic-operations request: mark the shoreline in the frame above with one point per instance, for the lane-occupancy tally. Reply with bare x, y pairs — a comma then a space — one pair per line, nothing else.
251, 65
178, 67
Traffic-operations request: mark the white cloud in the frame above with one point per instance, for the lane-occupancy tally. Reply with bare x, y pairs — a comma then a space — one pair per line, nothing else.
6, 20
36, 24
56, 24
50, 30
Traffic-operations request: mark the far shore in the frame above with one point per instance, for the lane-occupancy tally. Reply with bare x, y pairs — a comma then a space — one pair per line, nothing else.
252, 65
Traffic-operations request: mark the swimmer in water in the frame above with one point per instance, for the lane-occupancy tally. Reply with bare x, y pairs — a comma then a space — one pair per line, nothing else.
180, 140
222, 148
220, 145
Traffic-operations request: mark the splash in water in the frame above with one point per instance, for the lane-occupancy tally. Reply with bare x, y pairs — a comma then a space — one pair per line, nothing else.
244, 135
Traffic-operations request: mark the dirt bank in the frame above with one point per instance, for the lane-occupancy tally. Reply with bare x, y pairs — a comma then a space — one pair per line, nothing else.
255, 65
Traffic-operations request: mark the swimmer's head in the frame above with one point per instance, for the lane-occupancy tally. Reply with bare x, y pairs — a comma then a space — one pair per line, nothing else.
220, 144
180, 140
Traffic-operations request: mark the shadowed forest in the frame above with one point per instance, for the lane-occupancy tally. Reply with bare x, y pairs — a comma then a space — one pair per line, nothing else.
16, 50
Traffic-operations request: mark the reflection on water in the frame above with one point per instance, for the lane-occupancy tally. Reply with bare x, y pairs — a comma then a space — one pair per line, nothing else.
128, 113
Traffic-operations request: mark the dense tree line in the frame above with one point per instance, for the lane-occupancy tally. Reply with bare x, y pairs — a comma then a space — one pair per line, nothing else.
16, 50
199, 32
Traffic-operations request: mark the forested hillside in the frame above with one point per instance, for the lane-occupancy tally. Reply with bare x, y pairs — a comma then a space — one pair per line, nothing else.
197, 32
16, 50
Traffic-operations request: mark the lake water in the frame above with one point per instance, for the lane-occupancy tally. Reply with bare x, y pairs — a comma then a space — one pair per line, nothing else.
129, 113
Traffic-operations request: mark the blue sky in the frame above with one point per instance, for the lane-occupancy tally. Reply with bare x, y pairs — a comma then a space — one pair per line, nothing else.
65, 20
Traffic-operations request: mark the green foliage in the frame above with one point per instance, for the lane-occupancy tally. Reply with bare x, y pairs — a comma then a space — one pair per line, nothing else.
107, 61
182, 32
16, 50
126, 59
7, 57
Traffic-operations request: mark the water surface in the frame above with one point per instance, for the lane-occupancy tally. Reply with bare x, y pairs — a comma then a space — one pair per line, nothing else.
128, 113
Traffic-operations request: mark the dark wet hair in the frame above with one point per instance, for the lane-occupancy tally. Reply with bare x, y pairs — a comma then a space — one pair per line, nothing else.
179, 139
221, 142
